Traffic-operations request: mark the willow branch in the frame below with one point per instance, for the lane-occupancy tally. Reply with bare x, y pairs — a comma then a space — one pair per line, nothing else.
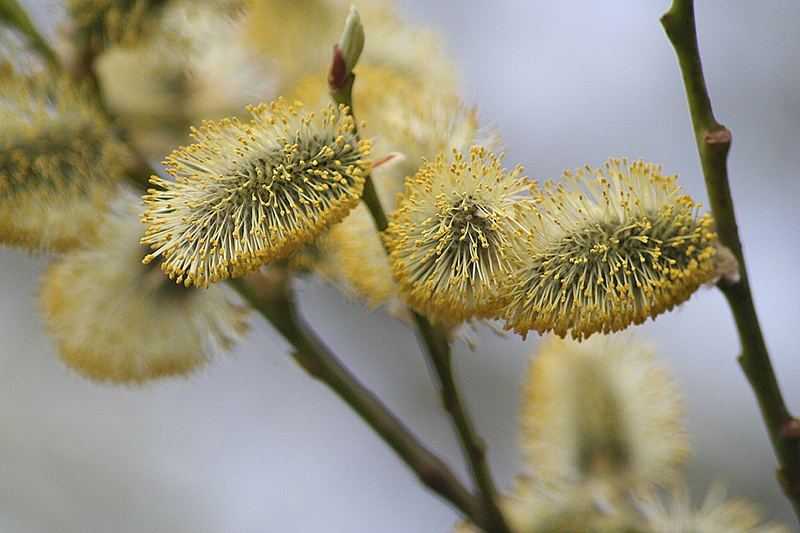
278, 309
713, 143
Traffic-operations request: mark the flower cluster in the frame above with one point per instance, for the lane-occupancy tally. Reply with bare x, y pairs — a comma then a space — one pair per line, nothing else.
194, 64
408, 123
595, 252
466, 238
621, 422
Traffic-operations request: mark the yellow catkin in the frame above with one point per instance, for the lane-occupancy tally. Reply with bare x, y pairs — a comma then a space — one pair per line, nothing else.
602, 411
59, 162
538, 506
717, 514
250, 192
114, 319
452, 241
195, 64
610, 247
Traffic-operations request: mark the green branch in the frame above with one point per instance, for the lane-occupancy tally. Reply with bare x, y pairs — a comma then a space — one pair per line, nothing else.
13, 14
275, 304
713, 143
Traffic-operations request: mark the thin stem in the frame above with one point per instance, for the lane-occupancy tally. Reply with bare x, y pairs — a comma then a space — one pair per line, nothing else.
342, 94
713, 143
12, 13
436, 347
434, 343
278, 309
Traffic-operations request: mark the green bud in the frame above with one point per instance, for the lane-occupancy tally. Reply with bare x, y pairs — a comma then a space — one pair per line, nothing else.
351, 43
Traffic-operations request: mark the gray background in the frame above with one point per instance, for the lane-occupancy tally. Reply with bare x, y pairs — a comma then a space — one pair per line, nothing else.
252, 445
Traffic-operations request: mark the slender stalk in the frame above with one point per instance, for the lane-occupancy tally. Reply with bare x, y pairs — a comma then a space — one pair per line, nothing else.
278, 309
13, 14
713, 143
434, 343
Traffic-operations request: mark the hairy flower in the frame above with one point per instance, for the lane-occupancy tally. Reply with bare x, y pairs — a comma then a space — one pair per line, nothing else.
602, 411
58, 161
250, 192
715, 515
610, 247
408, 122
537, 507
453, 238
114, 319
196, 65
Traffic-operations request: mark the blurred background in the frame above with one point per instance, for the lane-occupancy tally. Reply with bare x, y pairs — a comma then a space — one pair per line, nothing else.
251, 444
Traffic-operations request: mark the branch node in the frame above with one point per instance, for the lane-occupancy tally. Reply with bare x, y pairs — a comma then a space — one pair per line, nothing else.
718, 136
790, 430
309, 364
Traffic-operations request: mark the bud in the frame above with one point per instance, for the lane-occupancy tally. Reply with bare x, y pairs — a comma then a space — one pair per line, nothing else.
345, 56
726, 266
351, 43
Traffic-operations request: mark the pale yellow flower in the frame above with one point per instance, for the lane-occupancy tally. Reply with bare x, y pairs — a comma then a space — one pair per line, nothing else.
410, 118
114, 319
196, 65
611, 247
717, 514
537, 507
453, 239
59, 161
250, 192
603, 411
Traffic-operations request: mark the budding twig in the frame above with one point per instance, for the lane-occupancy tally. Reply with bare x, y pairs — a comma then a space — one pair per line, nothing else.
433, 341
713, 143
